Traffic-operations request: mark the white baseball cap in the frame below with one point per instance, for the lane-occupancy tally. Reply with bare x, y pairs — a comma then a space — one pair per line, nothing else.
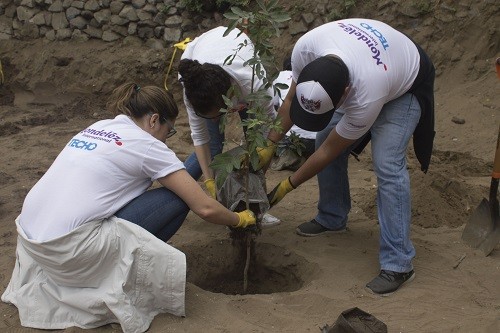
319, 88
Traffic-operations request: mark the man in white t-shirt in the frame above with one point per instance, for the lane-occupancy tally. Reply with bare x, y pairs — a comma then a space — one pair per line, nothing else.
351, 78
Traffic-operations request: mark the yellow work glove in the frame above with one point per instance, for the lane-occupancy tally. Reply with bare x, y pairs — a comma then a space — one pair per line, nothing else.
266, 154
210, 185
247, 218
280, 191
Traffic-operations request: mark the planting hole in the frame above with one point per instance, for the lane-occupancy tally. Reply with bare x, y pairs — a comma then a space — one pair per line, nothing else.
218, 267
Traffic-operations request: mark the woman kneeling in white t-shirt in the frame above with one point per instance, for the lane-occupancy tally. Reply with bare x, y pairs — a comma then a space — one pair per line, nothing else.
75, 236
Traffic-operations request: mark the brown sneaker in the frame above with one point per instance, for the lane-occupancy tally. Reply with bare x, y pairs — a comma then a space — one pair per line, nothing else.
313, 228
388, 282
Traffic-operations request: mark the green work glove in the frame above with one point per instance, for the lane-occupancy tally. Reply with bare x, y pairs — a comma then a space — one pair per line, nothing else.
266, 153
247, 218
280, 191
210, 185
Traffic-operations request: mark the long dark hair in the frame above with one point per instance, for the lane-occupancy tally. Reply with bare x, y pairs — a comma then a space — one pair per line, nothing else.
135, 101
204, 85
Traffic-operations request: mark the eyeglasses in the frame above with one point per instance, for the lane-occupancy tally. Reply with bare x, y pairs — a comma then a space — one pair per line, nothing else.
172, 130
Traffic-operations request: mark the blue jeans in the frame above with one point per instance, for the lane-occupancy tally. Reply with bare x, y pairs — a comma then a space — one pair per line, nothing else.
391, 134
159, 211
216, 144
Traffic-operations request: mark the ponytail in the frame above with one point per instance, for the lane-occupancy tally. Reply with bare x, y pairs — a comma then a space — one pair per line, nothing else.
135, 101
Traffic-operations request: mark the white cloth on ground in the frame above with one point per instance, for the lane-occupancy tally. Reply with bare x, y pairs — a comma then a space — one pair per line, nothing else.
104, 271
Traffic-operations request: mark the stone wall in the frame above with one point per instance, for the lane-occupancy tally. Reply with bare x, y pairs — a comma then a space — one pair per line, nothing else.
159, 23
152, 21
109, 20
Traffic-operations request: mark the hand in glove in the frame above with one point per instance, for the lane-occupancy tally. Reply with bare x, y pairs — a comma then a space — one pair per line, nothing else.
266, 154
210, 185
280, 191
247, 218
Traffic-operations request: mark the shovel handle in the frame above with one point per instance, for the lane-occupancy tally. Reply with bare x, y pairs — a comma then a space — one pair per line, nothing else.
496, 164
497, 66
494, 209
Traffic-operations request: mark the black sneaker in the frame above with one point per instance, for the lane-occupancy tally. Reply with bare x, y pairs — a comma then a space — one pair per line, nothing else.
313, 228
388, 282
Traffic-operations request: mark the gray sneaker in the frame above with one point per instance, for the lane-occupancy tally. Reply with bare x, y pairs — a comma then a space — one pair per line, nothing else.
313, 228
388, 282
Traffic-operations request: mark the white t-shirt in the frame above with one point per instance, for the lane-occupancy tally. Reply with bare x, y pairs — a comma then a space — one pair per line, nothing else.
285, 77
100, 170
212, 47
382, 63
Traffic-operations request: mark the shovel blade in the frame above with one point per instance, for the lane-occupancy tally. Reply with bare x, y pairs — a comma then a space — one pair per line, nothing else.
479, 226
482, 231
491, 241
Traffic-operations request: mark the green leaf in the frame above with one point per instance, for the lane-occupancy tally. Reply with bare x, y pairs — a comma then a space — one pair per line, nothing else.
254, 161
230, 16
229, 59
261, 4
227, 101
231, 27
221, 178
237, 162
281, 86
240, 12
222, 124
220, 159
272, 4
280, 17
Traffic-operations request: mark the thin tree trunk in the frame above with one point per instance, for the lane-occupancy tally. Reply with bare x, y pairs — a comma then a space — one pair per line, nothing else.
248, 237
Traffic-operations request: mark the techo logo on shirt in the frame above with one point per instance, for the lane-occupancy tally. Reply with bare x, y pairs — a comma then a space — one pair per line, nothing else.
371, 37
80, 144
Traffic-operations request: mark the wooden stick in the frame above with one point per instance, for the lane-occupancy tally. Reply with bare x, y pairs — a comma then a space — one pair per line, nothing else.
459, 261
248, 234
247, 263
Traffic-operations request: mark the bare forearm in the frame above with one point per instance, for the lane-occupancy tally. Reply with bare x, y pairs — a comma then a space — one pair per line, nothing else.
284, 116
333, 146
286, 123
204, 158
182, 184
214, 212
312, 166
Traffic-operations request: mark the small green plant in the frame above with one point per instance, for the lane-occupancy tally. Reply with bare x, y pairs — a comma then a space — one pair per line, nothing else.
166, 8
298, 9
293, 143
198, 6
424, 6
261, 26
343, 12
195, 6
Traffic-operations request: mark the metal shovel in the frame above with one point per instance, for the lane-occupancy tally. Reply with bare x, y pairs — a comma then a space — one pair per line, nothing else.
483, 229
